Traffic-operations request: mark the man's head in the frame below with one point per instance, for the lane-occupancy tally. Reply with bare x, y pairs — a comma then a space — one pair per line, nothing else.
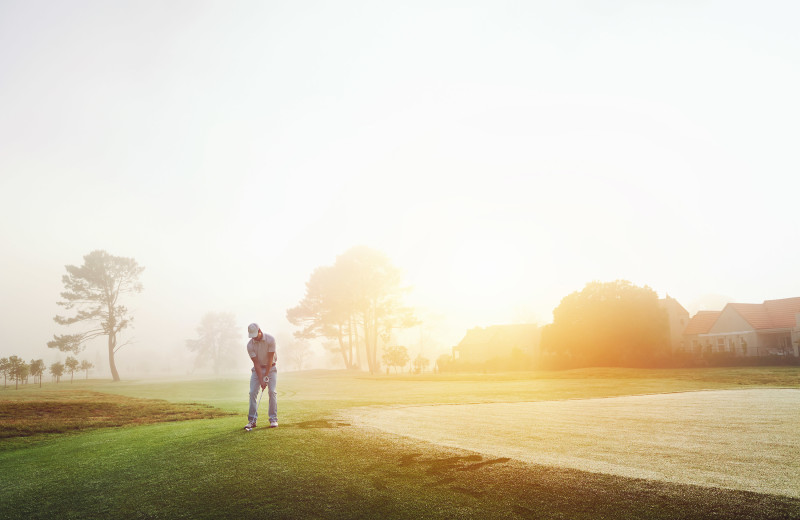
253, 330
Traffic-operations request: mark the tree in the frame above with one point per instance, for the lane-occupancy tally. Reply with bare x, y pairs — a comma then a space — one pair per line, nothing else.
299, 351
420, 364
24, 372
443, 363
607, 324
57, 369
5, 366
356, 301
218, 338
326, 311
18, 369
37, 369
86, 366
71, 365
395, 356
94, 291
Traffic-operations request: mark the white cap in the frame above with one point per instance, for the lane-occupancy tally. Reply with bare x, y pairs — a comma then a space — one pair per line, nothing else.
252, 330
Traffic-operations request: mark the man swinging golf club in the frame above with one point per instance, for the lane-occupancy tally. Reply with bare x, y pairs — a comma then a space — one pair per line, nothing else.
261, 349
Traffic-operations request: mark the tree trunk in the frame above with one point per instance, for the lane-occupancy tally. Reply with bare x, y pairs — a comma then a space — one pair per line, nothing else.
342, 348
371, 337
358, 344
368, 342
350, 339
112, 342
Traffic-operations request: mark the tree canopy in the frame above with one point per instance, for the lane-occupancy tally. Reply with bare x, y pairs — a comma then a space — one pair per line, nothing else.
86, 366
396, 356
94, 290
217, 339
57, 369
18, 369
607, 324
71, 365
37, 369
356, 302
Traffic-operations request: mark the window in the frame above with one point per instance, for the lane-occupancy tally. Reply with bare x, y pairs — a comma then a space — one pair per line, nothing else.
720, 344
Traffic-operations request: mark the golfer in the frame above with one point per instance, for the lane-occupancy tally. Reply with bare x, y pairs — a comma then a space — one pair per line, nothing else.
261, 349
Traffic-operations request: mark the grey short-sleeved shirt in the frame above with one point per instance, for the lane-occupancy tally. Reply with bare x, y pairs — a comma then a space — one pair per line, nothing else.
261, 348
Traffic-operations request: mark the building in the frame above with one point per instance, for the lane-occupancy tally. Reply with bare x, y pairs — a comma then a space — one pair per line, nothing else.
678, 319
695, 336
482, 344
748, 329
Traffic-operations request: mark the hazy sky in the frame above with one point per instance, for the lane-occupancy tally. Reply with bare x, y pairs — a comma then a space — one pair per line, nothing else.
504, 154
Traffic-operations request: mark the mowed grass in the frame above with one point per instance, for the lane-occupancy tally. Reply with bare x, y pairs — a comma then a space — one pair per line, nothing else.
318, 465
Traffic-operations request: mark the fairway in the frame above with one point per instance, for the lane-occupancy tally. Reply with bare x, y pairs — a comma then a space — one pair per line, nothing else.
584, 444
737, 439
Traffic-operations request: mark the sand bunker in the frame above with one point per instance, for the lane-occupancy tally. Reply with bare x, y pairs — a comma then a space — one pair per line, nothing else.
737, 439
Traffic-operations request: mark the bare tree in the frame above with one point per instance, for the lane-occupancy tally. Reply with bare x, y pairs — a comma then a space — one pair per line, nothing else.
94, 290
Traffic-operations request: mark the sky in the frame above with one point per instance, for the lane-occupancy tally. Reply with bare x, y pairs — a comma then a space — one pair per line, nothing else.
503, 154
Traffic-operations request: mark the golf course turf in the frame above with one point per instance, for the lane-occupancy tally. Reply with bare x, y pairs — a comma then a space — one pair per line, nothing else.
320, 464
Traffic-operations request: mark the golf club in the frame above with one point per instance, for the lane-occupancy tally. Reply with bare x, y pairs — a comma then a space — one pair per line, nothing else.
266, 380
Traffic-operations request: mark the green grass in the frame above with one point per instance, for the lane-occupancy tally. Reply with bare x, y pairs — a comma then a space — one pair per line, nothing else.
317, 465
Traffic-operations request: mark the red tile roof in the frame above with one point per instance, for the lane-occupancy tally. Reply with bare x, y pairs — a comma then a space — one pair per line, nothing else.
754, 313
783, 312
772, 314
702, 322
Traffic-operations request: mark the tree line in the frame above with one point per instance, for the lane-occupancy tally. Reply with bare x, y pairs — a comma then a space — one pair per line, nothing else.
355, 303
18, 371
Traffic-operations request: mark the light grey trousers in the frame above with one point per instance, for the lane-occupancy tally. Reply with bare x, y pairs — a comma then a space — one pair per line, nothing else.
255, 388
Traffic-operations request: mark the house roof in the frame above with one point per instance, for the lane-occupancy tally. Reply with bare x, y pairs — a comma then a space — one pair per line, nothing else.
783, 312
772, 314
754, 313
702, 322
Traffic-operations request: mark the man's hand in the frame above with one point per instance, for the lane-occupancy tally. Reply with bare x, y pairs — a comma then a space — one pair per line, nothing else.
264, 382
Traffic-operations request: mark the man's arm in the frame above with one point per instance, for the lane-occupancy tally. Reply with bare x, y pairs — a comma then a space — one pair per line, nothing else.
259, 374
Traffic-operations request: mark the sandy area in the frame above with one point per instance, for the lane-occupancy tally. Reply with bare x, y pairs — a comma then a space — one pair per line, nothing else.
737, 439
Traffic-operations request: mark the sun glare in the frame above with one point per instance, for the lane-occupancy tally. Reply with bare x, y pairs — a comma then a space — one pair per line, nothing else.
488, 268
